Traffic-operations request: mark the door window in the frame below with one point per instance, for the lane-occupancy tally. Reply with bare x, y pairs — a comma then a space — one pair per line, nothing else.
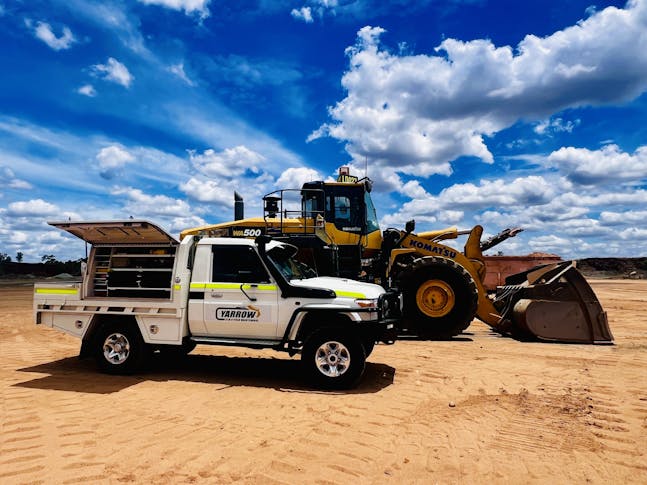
238, 264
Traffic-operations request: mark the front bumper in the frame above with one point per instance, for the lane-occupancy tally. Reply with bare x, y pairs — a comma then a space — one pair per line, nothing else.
389, 331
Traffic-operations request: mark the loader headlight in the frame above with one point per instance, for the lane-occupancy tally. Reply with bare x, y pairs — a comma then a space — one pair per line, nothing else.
367, 303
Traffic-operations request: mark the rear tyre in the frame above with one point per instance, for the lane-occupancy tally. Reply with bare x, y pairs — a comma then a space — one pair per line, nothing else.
119, 348
333, 359
440, 298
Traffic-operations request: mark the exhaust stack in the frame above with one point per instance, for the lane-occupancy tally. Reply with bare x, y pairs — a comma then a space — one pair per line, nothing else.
239, 207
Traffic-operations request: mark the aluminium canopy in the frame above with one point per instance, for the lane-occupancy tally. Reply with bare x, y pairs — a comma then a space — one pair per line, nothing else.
117, 232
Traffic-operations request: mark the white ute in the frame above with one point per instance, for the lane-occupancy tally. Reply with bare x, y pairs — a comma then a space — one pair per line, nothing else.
142, 290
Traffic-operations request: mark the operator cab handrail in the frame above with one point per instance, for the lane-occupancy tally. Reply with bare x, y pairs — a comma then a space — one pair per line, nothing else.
274, 207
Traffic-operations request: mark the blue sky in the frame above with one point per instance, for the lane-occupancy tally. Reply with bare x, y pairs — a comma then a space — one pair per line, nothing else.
467, 112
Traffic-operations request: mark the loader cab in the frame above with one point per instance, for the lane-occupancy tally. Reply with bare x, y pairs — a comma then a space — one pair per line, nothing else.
347, 207
350, 220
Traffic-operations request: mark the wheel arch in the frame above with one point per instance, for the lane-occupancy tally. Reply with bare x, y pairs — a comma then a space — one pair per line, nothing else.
100, 320
313, 320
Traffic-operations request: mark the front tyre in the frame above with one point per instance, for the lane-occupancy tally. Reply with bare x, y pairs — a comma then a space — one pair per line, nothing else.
119, 349
369, 345
440, 298
334, 359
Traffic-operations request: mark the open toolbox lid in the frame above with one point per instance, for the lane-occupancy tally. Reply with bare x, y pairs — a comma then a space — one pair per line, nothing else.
117, 232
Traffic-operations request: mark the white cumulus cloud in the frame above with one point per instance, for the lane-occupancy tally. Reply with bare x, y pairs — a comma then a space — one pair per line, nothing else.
87, 90
556, 125
229, 162
30, 208
630, 216
295, 177
141, 205
212, 191
303, 13
199, 7
607, 164
418, 113
43, 31
112, 159
8, 179
114, 71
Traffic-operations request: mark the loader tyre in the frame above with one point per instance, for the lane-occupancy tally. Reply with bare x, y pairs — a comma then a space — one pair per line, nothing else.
119, 348
440, 298
333, 359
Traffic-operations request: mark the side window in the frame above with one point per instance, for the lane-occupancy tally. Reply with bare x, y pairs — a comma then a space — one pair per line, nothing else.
237, 264
342, 208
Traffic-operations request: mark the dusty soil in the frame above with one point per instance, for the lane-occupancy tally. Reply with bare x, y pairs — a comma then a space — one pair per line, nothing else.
479, 409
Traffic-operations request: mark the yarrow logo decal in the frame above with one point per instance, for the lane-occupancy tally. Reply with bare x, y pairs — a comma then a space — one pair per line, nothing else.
248, 314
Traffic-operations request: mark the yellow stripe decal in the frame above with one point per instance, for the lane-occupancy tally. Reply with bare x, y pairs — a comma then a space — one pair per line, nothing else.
231, 286
55, 291
177, 287
350, 294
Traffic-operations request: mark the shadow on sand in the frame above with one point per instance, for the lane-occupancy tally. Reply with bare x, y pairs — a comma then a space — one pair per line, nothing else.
80, 375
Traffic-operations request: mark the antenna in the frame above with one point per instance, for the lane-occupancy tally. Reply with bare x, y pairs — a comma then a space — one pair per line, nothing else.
365, 166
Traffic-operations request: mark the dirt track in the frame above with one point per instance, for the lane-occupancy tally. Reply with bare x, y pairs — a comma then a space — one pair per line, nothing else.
478, 409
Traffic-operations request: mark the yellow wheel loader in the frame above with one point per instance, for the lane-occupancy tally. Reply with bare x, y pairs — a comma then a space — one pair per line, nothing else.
335, 228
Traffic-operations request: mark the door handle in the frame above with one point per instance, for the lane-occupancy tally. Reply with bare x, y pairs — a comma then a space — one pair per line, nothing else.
251, 298
216, 295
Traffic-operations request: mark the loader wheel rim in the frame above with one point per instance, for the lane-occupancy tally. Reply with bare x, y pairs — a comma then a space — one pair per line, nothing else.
435, 298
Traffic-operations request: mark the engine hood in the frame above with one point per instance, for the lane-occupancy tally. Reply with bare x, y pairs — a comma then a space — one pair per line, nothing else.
344, 288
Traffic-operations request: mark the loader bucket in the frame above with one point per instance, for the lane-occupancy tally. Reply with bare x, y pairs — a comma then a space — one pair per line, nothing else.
553, 303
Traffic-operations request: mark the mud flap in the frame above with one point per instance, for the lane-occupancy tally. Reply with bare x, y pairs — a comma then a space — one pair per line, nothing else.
555, 303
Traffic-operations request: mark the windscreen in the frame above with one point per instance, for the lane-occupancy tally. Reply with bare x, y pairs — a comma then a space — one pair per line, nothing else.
281, 257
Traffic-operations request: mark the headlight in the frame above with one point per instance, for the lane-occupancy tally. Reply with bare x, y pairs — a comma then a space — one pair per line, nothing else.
366, 303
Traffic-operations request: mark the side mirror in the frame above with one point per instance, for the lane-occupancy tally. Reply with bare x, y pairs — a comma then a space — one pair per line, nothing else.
262, 240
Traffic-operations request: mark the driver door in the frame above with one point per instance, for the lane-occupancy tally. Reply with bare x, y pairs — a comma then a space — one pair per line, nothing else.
241, 300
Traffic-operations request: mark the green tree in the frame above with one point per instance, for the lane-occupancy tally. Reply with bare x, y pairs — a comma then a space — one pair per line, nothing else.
5, 258
19, 256
48, 258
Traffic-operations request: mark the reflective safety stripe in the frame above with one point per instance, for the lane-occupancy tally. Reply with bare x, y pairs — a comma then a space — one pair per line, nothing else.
247, 286
231, 286
177, 287
350, 294
55, 291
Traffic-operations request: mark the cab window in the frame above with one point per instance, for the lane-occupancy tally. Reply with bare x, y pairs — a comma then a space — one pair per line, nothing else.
237, 264
345, 208
342, 208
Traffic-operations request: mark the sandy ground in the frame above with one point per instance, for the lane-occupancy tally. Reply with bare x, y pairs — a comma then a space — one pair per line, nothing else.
478, 409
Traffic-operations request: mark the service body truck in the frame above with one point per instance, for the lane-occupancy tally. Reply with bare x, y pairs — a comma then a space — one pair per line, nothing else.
141, 291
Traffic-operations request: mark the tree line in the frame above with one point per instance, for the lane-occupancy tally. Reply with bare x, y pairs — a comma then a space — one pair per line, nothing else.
49, 266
